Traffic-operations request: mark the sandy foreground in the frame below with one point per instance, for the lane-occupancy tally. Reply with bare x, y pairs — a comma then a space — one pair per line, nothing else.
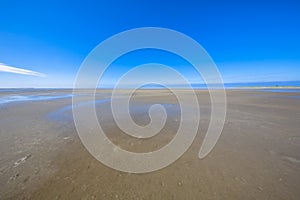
256, 157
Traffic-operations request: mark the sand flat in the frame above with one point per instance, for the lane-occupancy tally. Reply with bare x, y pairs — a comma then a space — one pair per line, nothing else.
256, 157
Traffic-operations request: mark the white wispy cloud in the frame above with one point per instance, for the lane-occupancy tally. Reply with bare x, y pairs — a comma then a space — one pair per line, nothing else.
10, 69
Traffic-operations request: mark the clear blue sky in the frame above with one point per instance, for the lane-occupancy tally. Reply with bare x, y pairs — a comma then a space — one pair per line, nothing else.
250, 41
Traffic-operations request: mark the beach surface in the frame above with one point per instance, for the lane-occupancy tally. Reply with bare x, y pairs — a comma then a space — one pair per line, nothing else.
257, 155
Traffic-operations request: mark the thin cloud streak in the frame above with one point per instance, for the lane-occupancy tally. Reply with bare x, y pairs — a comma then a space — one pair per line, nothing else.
6, 68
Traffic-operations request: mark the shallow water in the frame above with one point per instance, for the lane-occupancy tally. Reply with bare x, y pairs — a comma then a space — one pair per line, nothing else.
64, 112
22, 98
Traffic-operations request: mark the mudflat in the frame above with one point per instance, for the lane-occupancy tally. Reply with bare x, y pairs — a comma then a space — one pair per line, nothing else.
256, 157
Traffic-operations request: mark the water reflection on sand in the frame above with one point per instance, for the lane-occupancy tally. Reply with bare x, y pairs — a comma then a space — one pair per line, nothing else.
22, 98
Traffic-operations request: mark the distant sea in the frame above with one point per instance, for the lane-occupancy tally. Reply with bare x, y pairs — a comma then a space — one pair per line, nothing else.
274, 84
264, 84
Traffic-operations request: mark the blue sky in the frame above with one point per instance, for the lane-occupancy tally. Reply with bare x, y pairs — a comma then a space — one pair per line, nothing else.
250, 41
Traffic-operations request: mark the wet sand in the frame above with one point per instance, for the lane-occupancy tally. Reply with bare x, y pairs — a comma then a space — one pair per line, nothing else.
256, 157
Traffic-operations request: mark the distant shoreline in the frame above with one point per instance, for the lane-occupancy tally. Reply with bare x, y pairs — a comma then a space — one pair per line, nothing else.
158, 88
195, 86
